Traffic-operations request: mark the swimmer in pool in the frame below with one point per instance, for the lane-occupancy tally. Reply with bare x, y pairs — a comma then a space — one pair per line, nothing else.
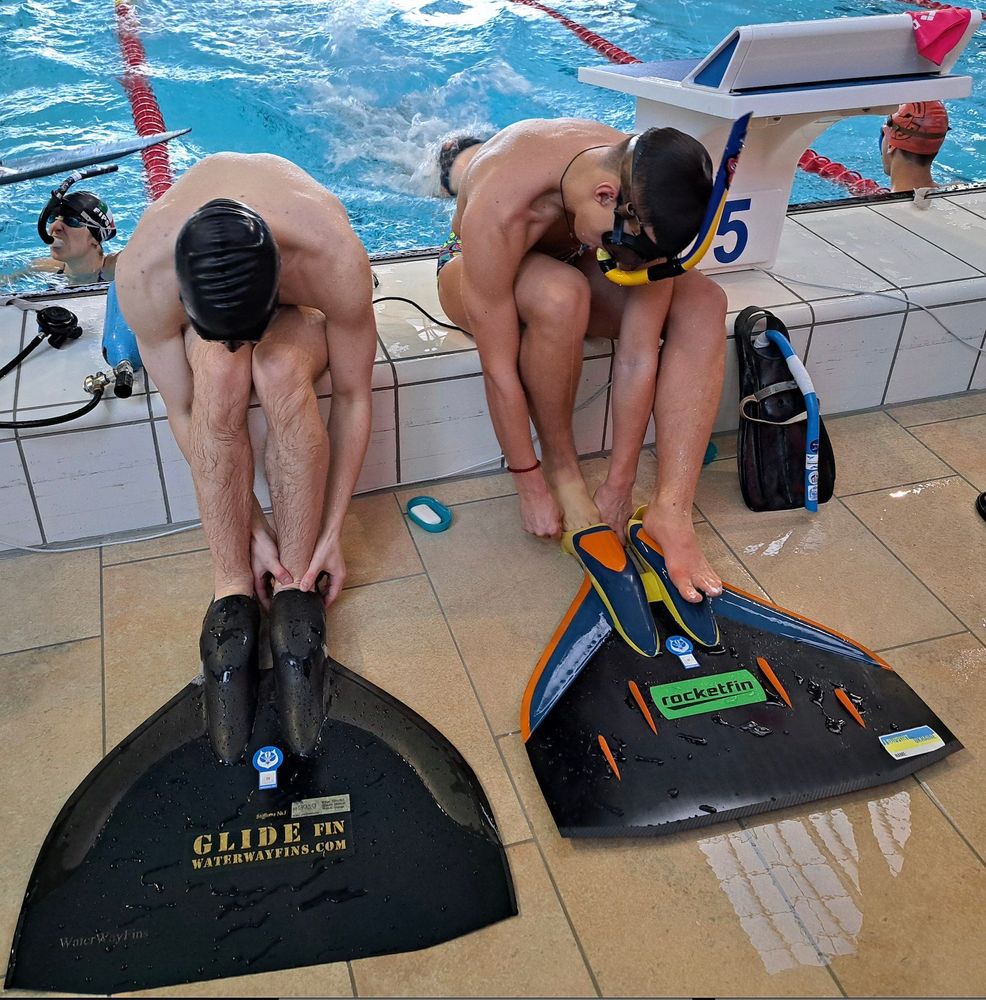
76, 226
910, 140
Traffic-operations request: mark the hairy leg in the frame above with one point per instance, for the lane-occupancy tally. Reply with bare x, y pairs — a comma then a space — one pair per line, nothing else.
553, 305
286, 364
221, 459
688, 389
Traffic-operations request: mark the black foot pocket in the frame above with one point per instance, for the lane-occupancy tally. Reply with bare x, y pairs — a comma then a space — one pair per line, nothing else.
228, 648
297, 642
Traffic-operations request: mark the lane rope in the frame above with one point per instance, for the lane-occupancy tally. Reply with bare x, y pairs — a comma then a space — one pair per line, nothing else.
146, 114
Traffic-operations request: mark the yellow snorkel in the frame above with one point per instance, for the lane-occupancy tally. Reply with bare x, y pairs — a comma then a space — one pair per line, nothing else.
707, 231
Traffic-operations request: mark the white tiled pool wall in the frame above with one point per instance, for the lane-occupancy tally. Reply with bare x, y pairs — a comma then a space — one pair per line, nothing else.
118, 468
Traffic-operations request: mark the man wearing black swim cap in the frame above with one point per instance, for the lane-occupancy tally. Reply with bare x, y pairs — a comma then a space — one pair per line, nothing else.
246, 277
519, 271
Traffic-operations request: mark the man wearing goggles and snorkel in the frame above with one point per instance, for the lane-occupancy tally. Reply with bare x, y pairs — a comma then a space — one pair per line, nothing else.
568, 229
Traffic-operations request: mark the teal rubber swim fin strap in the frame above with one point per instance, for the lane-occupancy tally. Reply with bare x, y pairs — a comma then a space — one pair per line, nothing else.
617, 584
695, 619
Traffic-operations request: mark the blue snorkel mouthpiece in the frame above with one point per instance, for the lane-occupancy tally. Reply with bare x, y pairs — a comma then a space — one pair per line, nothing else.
674, 265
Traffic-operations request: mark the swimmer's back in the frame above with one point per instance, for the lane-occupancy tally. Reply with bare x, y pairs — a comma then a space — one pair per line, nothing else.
304, 217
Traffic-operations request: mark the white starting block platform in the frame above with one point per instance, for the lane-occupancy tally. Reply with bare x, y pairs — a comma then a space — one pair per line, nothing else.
797, 78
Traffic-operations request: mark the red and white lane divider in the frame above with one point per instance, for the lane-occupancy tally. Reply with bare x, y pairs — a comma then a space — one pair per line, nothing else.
811, 162
148, 119
612, 52
814, 163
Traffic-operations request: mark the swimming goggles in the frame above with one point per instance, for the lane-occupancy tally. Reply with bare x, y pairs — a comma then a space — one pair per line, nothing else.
627, 242
70, 220
628, 245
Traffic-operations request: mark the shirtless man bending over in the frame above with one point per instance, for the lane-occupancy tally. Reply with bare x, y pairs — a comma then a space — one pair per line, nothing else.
246, 276
519, 272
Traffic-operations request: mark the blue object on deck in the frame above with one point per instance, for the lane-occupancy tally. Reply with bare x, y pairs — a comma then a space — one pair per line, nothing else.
800, 375
428, 513
119, 345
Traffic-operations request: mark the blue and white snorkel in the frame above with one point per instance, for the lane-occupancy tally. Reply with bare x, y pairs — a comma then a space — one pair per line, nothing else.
706, 232
812, 430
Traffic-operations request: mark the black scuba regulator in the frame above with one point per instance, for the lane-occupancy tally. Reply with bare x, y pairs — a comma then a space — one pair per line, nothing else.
58, 325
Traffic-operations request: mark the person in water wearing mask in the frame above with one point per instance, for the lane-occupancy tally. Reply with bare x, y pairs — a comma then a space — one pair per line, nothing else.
519, 272
909, 142
247, 277
75, 225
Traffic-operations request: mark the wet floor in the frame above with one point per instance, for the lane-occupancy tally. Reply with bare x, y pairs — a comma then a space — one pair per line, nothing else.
873, 893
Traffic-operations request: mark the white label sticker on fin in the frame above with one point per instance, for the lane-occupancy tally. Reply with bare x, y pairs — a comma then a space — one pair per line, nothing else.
322, 806
911, 742
424, 513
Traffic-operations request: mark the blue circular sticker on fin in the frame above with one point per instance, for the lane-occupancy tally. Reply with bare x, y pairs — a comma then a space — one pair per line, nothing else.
267, 760
681, 647
678, 645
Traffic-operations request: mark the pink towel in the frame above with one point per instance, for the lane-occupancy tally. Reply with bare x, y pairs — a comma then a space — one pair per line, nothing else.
937, 32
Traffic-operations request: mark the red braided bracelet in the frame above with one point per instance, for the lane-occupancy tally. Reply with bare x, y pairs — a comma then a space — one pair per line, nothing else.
530, 468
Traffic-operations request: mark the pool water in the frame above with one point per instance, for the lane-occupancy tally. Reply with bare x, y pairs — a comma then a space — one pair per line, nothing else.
360, 92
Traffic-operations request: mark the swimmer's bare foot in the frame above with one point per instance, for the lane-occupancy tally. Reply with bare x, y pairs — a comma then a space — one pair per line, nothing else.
615, 507
577, 507
687, 566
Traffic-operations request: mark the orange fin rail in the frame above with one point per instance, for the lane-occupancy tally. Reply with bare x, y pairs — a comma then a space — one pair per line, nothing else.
847, 704
642, 705
774, 682
608, 754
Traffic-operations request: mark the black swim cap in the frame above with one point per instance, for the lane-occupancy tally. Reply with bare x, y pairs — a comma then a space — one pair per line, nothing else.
228, 266
672, 180
94, 213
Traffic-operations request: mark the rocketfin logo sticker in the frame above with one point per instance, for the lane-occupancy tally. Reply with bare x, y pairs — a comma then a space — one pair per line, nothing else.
707, 694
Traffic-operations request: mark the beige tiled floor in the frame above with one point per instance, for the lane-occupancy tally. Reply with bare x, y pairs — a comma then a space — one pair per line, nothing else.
877, 893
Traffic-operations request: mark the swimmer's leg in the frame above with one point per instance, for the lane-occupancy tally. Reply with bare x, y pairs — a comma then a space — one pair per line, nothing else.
228, 647
292, 356
297, 641
553, 306
217, 446
689, 385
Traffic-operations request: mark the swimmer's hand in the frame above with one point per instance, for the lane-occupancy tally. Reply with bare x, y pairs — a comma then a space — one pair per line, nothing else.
615, 507
265, 562
540, 515
326, 559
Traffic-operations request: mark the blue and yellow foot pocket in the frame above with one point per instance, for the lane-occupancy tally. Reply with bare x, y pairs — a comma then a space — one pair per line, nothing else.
696, 620
617, 584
